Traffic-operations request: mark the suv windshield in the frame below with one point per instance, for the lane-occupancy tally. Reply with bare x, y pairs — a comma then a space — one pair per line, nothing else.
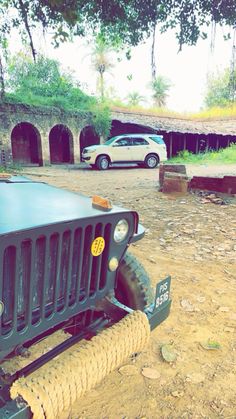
111, 140
157, 138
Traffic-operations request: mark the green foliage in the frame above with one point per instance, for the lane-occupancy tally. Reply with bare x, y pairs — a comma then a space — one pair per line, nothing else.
224, 155
134, 98
11, 168
41, 79
216, 112
101, 120
160, 88
221, 89
43, 84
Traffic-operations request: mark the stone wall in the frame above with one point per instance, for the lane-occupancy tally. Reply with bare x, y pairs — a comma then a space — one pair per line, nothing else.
226, 185
43, 120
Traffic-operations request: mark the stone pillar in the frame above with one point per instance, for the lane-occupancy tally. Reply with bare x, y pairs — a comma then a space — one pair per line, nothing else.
197, 145
76, 140
171, 145
44, 136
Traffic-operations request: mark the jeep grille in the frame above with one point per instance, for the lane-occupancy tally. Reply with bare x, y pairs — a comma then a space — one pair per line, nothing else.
46, 278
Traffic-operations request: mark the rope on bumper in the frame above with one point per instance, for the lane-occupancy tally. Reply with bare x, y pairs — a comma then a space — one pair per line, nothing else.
53, 389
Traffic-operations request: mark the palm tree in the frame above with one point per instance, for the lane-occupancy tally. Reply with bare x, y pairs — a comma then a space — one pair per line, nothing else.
101, 62
160, 87
134, 98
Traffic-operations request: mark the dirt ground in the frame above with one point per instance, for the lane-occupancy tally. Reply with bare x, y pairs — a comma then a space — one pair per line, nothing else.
194, 241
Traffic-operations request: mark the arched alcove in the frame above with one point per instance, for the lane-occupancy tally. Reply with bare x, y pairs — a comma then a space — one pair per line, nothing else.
61, 145
26, 144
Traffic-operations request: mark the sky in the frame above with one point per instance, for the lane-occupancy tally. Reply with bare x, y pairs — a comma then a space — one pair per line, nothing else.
187, 70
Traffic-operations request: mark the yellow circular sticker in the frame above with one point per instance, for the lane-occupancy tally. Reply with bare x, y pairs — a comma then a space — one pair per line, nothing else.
97, 246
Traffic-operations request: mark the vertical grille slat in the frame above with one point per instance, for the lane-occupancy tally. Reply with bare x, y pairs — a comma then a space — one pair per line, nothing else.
80, 266
57, 274
75, 264
104, 256
38, 277
87, 263
15, 289
1, 285
8, 284
29, 312
64, 268
23, 293
70, 269
45, 279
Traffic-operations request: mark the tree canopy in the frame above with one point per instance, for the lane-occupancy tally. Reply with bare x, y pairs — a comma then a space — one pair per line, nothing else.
120, 21
221, 89
44, 83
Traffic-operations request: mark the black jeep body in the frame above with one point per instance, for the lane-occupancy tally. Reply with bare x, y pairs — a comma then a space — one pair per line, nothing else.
51, 268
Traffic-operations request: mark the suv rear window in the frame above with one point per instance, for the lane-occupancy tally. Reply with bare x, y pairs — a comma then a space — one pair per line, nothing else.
158, 139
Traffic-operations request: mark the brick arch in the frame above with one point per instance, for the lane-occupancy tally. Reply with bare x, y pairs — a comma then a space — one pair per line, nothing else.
61, 145
26, 144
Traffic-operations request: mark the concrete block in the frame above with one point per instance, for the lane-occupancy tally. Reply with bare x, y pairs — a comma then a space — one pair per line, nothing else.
175, 183
175, 168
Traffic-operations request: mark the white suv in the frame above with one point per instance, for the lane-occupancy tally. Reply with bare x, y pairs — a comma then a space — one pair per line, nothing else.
147, 149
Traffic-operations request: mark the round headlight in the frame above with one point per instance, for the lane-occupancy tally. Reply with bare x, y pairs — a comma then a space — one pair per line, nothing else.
121, 231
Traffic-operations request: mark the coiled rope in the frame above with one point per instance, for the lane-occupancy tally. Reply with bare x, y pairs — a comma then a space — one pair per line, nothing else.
54, 388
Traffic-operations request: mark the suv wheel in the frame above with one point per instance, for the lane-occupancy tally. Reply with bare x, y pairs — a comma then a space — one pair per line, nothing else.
102, 163
133, 284
151, 161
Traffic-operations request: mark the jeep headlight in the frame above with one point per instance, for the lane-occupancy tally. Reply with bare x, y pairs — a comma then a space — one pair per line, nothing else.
121, 231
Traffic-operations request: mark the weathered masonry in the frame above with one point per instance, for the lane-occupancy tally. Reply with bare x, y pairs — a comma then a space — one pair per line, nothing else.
38, 136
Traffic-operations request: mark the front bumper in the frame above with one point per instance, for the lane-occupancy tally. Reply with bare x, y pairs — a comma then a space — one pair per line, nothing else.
85, 159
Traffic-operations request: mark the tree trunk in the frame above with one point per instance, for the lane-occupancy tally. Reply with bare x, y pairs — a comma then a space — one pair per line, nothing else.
232, 81
2, 84
153, 61
102, 85
23, 11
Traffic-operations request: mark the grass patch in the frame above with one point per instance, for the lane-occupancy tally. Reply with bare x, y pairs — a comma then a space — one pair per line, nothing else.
162, 112
224, 155
216, 113
11, 168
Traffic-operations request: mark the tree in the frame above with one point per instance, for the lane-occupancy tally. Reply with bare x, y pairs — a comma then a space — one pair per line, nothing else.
101, 62
160, 87
44, 83
42, 79
220, 89
134, 98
